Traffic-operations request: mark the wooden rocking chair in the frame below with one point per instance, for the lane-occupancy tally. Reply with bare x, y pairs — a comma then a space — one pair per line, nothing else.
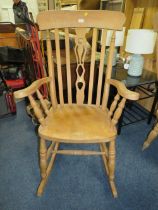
154, 132
79, 122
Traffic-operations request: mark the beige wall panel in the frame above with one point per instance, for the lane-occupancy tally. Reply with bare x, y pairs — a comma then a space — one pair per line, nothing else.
129, 8
137, 18
148, 18
146, 3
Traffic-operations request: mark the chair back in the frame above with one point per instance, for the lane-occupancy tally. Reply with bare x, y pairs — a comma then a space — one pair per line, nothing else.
60, 23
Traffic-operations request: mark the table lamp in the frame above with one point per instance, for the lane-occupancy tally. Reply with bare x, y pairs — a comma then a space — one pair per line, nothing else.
119, 37
139, 41
119, 40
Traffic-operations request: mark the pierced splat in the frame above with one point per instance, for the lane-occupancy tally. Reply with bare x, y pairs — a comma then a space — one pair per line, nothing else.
80, 52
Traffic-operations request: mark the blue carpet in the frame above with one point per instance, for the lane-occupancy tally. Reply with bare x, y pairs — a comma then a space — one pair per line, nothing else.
76, 183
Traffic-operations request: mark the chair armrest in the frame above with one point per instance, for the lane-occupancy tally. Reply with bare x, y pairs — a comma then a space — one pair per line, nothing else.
123, 91
32, 88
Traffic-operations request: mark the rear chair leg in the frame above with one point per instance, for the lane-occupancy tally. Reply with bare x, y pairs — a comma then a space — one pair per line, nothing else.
103, 148
151, 137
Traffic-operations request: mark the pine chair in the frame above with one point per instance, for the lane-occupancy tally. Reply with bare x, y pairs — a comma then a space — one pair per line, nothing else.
154, 132
79, 122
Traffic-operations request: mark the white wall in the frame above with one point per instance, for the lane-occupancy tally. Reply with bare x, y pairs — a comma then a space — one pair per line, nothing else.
32, 7
6, 11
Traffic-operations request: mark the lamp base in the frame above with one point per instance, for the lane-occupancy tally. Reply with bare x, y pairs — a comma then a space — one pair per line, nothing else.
136, 65
114, 57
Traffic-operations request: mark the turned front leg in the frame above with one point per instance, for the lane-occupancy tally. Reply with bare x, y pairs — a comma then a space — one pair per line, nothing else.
111, 160
111, 164
43, 157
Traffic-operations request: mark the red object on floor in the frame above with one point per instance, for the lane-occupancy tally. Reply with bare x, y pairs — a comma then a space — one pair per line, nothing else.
16, 84
37, 58
10, 102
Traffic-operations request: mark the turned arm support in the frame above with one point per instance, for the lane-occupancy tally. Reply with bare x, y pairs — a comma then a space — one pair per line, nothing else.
32, 88
123, 91
118, 104
40, 109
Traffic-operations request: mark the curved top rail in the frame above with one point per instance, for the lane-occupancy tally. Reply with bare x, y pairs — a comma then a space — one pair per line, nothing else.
50, 19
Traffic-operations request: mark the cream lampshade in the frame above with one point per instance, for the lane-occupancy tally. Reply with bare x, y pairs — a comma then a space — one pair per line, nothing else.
119, 40
119, 37
139, 41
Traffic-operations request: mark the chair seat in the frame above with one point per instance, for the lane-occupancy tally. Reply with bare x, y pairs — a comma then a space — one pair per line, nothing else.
77, 124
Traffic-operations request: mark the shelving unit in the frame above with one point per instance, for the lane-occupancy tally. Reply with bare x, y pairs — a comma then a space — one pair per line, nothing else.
117, 5
134, 112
